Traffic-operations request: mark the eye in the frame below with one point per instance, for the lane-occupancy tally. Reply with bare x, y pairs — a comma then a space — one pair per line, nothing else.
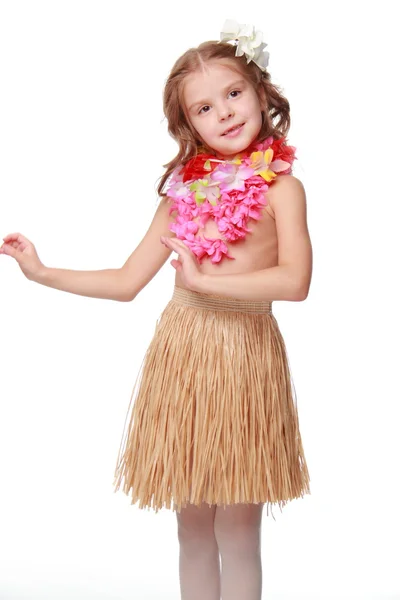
235, 92
201, 110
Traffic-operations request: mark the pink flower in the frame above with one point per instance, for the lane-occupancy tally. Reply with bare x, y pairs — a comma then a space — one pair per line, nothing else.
231, 194
216, 249
207, 211
210, 248
178, 191
231, 177
262, 146
186, 207
184, 229
234, 229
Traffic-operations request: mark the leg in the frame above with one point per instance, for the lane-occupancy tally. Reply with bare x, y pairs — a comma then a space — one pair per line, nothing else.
238, 533
199, 566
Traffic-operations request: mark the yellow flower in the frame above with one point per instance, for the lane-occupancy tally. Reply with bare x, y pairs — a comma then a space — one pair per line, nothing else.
261, 162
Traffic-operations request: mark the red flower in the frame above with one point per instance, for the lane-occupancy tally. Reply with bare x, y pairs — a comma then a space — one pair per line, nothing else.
283, 151
195, 169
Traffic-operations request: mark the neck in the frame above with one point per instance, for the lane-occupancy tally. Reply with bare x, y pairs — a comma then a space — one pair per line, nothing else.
232, 156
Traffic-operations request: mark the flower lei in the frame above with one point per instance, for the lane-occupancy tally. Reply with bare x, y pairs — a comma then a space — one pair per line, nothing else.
231, 192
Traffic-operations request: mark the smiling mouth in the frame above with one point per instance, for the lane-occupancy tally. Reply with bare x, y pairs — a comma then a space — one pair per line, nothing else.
233, 129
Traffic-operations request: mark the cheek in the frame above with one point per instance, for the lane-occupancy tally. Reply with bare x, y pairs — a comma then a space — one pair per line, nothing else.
256, 108
204, 128
199, 127
257, 118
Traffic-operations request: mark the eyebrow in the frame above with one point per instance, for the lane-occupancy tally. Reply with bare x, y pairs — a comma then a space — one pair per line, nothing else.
233, 84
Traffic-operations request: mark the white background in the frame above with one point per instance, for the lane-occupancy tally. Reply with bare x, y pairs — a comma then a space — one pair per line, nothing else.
82, 144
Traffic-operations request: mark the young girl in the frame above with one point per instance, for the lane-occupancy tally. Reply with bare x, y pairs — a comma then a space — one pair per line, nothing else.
213, 432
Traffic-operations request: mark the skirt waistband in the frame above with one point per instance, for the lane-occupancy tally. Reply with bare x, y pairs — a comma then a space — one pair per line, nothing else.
216, 302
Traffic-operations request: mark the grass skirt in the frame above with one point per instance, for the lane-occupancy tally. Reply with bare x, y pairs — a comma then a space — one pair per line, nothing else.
214, 417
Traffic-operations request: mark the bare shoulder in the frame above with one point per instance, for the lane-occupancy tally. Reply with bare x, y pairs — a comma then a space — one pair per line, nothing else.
286, 190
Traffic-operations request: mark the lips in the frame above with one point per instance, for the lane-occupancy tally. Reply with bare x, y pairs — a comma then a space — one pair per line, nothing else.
232, 128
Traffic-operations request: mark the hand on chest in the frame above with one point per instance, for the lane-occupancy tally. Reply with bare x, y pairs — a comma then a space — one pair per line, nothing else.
210, 194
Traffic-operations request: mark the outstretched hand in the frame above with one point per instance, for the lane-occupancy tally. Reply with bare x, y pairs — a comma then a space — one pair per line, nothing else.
186, 264
24, 252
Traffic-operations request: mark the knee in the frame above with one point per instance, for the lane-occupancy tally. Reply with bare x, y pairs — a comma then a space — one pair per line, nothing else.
239, 539
195, 542
238, 529
196, 528
193, 530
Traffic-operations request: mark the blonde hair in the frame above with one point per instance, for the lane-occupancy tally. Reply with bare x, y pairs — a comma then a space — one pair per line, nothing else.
275, 116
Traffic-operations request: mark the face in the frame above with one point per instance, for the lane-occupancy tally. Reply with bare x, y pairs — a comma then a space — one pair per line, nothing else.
218, 99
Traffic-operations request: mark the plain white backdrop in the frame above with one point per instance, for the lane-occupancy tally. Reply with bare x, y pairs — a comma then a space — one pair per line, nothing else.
82, 144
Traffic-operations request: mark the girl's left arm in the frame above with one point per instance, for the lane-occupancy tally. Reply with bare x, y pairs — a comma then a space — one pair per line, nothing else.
291, 278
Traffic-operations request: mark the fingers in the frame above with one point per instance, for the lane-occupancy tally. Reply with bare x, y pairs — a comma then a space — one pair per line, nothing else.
10, 236
16, 241
8, 249
176, 264
16, 238
173, 243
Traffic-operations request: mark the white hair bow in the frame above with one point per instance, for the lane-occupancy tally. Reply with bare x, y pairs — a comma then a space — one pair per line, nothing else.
249, 42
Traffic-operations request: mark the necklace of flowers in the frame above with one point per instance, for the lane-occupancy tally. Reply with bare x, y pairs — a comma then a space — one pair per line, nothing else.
241, 184
206, 182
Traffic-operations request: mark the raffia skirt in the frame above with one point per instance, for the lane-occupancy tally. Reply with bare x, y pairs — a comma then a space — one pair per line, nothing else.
213, 413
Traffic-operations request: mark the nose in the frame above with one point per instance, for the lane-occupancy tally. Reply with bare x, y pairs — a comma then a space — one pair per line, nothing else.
225, 112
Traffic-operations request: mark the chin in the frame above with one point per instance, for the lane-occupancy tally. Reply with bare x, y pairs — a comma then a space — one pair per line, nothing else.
235, 148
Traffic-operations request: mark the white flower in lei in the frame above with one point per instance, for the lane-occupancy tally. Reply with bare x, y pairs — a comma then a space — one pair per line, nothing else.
249, 42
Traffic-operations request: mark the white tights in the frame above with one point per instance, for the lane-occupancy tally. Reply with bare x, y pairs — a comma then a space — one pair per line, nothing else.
205, 533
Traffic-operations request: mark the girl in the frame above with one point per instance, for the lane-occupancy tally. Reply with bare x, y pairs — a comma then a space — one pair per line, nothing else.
213, 432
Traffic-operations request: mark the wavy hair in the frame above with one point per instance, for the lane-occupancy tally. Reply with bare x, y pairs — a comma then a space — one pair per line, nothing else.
275, 115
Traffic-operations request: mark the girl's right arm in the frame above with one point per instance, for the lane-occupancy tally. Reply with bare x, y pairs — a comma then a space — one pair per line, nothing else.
121, 284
